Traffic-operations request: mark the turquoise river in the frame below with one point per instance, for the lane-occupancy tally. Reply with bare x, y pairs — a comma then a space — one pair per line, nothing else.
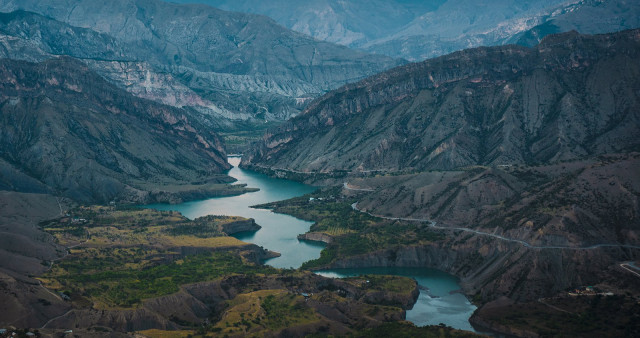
439, 301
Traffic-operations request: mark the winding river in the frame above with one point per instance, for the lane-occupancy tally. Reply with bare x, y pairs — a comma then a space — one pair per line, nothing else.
438, 301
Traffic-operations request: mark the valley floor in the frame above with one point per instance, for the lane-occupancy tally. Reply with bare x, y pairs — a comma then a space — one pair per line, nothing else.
122, 269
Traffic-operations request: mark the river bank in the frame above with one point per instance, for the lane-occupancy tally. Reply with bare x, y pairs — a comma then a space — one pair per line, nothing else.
291, 237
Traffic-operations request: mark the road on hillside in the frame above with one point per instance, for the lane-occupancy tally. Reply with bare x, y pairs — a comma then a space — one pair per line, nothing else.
433, 224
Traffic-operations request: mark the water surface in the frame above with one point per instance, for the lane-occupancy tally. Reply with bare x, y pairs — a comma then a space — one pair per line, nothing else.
279, 232
438, 302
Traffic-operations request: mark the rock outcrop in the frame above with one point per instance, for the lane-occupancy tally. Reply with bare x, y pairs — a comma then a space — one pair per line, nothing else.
489, 269
240, 226
316, 237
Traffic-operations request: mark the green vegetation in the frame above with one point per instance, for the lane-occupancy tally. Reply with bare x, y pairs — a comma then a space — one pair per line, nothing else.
122, 284
265, 311
118, 257
123, 256
203, 227
408, 330
354, 232
385, 236
114, 277
278, 311
330, 214
395, 284
127, 227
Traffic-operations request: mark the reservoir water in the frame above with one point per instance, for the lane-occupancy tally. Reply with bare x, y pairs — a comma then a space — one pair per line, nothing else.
279, 232
438, 302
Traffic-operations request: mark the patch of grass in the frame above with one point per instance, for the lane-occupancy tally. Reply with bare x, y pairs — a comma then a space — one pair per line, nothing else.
264, 311
408, 330
372, 283
331, 213
123, 256
118, 284
278, 310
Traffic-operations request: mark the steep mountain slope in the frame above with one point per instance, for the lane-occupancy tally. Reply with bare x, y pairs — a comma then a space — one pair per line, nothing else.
67, 131
32, 37
416, 30
572, 96
231, 65
578, 204
460, 24
350, 23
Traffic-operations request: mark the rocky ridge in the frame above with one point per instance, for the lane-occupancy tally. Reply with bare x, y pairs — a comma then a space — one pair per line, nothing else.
69, 132
227, 65
417, 30
570, 97
350, 23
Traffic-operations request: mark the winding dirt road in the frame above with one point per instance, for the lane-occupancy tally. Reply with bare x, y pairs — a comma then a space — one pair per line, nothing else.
433, 224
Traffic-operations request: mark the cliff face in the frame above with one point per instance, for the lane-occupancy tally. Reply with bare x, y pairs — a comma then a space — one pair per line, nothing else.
66, 128
570, 97
240, 226
229, 65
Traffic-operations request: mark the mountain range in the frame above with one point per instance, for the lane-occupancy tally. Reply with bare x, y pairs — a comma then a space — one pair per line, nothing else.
417, 30
513, 167
68, 132
570, 97
526, 158
227, 66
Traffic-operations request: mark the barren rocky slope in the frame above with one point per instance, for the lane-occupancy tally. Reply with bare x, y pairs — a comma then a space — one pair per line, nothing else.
67, 131
573, 96
584, 16
572, 204
224, 64
579, 210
